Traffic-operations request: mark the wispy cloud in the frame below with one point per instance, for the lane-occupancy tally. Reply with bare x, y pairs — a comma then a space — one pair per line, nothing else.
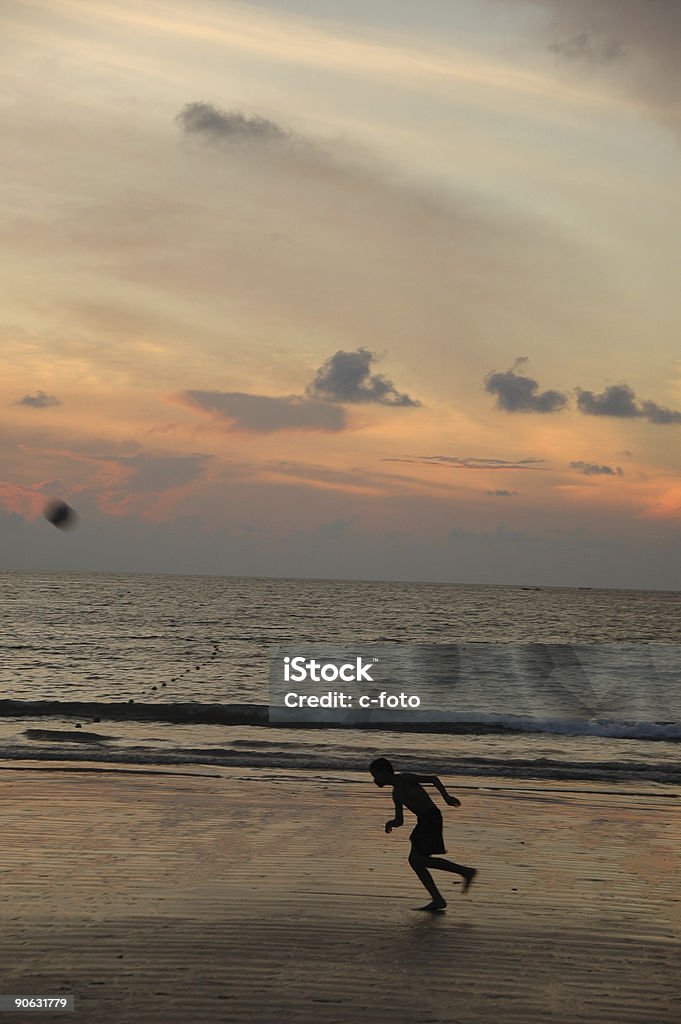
501, 494
639, 39
588, 48
593, 469
264, 414
469, 462
153, 472
285, 37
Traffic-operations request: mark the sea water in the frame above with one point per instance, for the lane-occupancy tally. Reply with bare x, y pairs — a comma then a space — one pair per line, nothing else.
162, 669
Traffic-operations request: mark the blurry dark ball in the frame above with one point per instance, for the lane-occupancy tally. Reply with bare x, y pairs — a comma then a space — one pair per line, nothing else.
59, 514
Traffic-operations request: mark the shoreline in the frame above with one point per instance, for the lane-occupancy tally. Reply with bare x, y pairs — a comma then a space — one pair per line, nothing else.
566, 786
261, 895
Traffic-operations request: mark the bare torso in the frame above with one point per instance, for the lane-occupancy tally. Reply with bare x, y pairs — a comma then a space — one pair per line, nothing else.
409, 792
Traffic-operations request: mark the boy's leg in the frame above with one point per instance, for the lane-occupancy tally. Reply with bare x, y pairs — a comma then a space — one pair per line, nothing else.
441, 864
418, 863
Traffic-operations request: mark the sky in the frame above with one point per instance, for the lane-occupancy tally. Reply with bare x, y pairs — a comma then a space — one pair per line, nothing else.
376, 290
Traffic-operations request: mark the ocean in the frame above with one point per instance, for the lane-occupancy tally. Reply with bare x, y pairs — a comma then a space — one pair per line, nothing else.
173, 670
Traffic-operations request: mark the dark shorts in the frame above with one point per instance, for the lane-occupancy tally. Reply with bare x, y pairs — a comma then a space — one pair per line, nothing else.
426, 837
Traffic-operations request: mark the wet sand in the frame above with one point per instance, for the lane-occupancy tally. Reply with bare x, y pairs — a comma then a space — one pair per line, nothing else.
257, 896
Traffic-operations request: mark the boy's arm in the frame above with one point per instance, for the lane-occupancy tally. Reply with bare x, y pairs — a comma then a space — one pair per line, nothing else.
398, 819
434, 781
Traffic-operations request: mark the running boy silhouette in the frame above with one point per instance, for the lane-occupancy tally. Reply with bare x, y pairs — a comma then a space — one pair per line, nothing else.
426, 838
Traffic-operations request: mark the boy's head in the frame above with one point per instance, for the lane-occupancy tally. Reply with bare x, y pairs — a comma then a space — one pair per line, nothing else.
382, 771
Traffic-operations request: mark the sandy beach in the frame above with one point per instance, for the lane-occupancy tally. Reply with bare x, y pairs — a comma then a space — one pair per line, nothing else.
243, 895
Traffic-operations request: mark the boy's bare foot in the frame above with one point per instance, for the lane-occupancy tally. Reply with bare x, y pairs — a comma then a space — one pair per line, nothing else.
468, 879
435, 907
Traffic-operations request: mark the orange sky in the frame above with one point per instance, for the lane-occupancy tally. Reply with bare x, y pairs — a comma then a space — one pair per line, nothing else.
343, 289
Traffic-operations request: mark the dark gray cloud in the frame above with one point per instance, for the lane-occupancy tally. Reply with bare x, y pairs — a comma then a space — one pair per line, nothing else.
262, 414
617, 400
620, 400
211, 123
39, 400
593, 469
655, 413
344, 377
347, 377
517, 393
501, 494
469, 462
